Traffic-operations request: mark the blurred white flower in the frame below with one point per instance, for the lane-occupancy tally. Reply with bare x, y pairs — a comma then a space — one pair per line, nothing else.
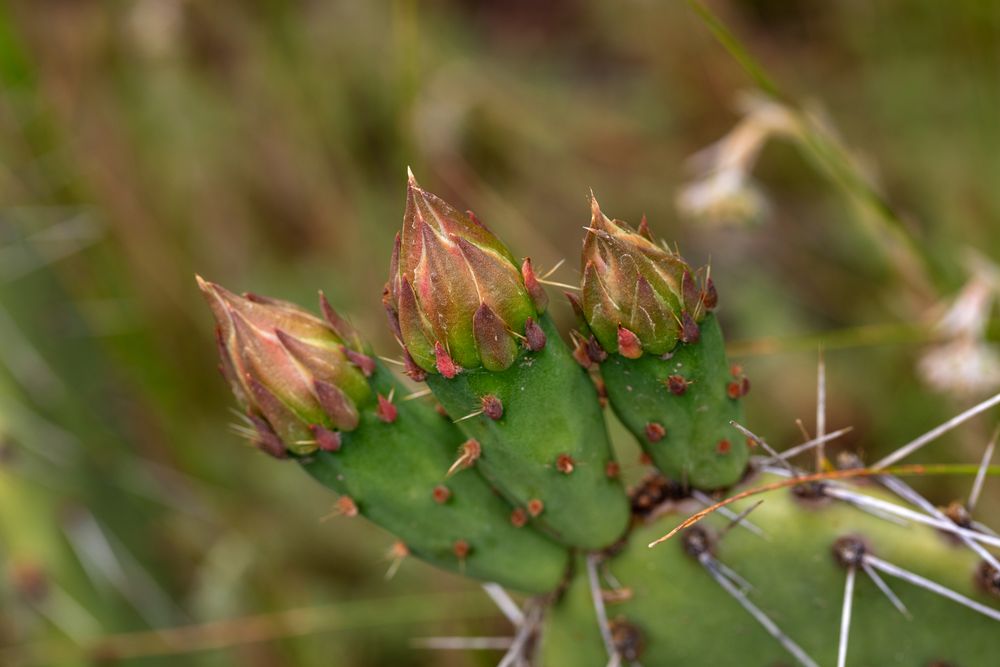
723, 197
722, 191
965, 365
965, 361
154, 27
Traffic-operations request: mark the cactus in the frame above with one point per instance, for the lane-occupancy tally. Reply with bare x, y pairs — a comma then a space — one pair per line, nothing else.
661, 354
813, 575
668, 606
474, 327
312, 392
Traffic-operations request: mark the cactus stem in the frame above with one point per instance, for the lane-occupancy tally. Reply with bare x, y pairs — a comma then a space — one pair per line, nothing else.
711, 566
845, 616
469, 453
505, 603
932, 586
977, 484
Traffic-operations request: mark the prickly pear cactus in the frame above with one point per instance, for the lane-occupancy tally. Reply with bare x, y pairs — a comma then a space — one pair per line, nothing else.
682, 602
518, 484
473, 326
661, 354
312, 393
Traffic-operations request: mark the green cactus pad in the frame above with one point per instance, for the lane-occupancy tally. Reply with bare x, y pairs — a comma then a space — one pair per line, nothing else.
550, 410
391, 471
697, 445
685, 618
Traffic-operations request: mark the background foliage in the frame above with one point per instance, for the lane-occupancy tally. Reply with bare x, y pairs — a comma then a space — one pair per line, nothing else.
264, 144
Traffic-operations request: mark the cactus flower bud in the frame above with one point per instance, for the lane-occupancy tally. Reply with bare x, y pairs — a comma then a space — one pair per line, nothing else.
293, 373
638, 297
456, 297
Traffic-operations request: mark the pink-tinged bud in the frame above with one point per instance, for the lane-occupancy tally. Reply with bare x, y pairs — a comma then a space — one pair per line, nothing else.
455, 297
497, 349
644, 229
709, 297
326, 440
299, 377
580, 350
267, 440
631, 283
385, 410
690, 333
535, 289
596, 353
628, 344
443, 362
534, 337
364, 363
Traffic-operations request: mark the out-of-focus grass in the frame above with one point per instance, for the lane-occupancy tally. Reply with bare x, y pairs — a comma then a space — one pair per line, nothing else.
264, 145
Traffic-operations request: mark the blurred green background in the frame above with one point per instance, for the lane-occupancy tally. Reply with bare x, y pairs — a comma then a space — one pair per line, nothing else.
264, 145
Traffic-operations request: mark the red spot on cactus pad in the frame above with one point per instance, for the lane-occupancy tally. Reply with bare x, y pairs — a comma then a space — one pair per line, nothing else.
535, 507
655, 431
441, 494
492, 406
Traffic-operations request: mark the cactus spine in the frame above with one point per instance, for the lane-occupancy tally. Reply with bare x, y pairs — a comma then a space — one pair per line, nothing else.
313, 393
661, 353
474, 327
